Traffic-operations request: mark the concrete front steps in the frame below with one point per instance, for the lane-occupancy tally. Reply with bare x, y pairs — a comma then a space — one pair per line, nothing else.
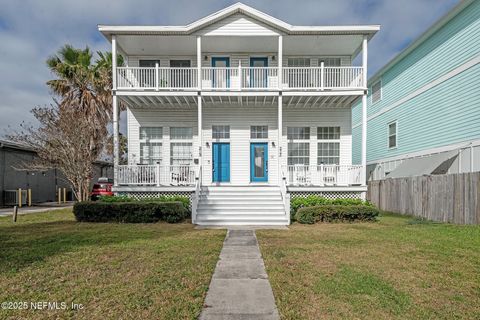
241, 205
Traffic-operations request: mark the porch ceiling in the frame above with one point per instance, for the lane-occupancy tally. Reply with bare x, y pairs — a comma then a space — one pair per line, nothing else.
178, 101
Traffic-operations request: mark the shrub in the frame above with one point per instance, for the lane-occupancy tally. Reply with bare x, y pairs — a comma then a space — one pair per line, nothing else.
169, 198
336, 213
314, 200
130, 212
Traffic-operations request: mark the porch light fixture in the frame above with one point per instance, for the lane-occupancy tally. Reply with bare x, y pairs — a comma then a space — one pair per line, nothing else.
206, 58
273, 143
273, 58
208, 144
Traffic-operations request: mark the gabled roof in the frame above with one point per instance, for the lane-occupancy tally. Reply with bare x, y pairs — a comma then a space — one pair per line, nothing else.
422, 38
108, 30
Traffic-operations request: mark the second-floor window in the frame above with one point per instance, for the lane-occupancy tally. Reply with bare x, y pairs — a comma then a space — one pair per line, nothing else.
148, 63
151, 145
298, 146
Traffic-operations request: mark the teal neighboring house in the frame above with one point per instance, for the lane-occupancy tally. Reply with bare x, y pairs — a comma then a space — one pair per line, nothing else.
424, 106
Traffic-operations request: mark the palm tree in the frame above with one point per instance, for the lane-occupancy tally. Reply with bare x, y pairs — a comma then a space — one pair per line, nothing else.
85, 86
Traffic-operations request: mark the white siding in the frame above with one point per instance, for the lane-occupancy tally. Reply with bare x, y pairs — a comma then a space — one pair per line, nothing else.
240, 118
150, 117
313, 118
238, 25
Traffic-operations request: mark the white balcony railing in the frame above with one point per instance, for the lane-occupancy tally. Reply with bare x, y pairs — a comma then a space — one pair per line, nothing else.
303, 78
157, 78
323, 175
156, 175
240, 78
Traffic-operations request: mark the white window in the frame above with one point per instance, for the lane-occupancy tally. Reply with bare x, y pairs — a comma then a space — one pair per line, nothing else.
328, 133
221, 132
328, 153
377, 91
298, 146
181, 146
298, 62
259, 132
151, 145
328, 147
298, 133
392, 135
181, 154
181, 133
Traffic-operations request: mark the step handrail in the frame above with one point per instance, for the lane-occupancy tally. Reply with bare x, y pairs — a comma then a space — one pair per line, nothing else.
285, 196
196, 195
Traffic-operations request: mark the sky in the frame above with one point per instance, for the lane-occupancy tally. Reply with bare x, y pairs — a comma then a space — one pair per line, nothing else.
33, 30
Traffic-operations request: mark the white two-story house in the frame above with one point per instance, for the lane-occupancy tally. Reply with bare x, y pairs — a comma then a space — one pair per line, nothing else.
240, 111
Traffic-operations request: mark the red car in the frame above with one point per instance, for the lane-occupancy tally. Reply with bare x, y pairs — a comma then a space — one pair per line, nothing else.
102, 188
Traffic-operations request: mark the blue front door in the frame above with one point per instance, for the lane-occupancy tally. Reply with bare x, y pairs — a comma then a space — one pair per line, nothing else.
259, 162
221, 77
258, 77
221, 162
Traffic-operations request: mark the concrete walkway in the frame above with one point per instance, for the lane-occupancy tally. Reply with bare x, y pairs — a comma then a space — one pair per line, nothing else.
240, 288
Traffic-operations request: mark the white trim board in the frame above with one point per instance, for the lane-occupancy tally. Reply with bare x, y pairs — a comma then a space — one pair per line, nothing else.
469, 64
460, 145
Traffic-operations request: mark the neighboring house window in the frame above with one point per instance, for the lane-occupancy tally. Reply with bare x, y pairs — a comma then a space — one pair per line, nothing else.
259, 132
181, 146
328, 151
298, 146
392, 135
377, 91
221, 132
151, 145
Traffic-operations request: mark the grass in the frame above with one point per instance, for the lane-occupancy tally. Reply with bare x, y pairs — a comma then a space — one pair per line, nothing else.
396, 268
116, 271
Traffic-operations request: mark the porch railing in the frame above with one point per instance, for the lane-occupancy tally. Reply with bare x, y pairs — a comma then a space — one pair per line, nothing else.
240, 78
156, 175
324, 175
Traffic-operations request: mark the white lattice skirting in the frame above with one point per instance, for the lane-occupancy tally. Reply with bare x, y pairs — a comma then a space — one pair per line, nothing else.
328, 194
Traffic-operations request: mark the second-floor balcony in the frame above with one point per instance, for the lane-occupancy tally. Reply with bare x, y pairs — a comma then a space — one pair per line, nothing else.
240, 78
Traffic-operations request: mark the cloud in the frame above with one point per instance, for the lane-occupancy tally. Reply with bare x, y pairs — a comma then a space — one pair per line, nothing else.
32, 30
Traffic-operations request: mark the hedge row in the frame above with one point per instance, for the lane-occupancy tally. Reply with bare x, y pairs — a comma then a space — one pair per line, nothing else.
336, 213
168, 198
130, 212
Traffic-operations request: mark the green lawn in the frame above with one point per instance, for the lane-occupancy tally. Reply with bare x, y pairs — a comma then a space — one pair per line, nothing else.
397, 268
117, 271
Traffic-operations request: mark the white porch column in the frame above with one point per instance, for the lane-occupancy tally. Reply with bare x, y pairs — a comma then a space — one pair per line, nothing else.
199, 62
279, 138
280, 62
364, 111
200, 124
116, 149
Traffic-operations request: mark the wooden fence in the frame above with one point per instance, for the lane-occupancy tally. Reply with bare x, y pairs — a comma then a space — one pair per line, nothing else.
449, 198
